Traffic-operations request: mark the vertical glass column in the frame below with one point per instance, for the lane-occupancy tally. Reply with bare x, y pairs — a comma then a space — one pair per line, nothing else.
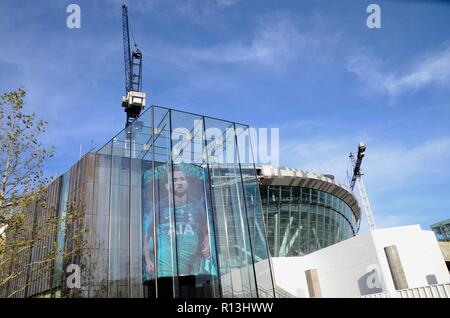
231, 225
60, 237
296, 223
140, 199
285, 220
196, 247
254, 214
147, 157
160, 248
99, 268
272, 218
119, 215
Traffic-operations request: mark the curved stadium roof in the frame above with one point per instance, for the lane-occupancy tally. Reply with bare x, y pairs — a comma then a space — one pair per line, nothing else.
283, 176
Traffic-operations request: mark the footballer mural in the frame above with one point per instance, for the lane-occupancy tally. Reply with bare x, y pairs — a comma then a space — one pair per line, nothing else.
184, 240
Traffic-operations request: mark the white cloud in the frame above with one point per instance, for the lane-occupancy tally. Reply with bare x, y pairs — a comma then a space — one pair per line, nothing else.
276, 41
433, 69
321, 155
227, 3
196, 11
399, 166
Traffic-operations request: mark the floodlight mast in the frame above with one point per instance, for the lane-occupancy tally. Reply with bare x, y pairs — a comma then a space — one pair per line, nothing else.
357, 179
134, 99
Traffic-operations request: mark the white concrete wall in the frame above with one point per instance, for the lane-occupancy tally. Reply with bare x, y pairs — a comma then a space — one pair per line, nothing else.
353, 267
419, 253
339, 268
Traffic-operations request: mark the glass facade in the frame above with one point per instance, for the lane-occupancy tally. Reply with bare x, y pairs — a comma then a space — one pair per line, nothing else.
442, 230
302, 220
168, 209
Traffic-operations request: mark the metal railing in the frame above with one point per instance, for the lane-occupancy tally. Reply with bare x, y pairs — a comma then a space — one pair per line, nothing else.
431, 291
263, 293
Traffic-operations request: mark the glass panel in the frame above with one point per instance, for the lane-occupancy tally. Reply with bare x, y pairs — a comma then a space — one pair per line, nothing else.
322, 197
234, 248
119, 215
284, 228
100, 227
140, 198
306, 195
144, 151
63, 197
314, 196
163, 221
258, 239
196, 247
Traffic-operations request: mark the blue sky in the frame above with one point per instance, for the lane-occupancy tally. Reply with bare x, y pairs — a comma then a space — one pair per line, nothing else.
311, 68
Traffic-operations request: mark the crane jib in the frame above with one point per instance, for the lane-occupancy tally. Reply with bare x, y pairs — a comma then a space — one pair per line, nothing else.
126, 48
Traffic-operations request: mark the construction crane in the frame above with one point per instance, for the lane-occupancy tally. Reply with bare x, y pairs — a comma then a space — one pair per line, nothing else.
134, 99
357, 179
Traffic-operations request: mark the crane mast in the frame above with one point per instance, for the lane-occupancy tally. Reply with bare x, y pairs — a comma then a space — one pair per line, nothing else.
134, 99
357, 179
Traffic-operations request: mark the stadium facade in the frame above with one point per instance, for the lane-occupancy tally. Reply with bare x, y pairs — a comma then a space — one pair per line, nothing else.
174, 207
442, 232
305, 211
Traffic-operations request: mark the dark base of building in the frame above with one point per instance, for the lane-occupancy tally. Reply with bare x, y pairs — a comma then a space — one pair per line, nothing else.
189, 286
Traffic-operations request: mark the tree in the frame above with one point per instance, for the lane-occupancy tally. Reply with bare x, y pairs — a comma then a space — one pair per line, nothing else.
22, 154
23, 195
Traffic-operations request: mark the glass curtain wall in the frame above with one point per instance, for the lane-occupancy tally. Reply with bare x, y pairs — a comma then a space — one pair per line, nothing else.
303, 220
176, 211
442, 230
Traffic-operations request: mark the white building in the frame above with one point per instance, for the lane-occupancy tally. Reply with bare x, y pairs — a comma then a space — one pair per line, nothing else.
359, 267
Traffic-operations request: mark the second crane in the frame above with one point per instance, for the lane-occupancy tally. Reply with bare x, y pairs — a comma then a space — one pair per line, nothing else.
357, 178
